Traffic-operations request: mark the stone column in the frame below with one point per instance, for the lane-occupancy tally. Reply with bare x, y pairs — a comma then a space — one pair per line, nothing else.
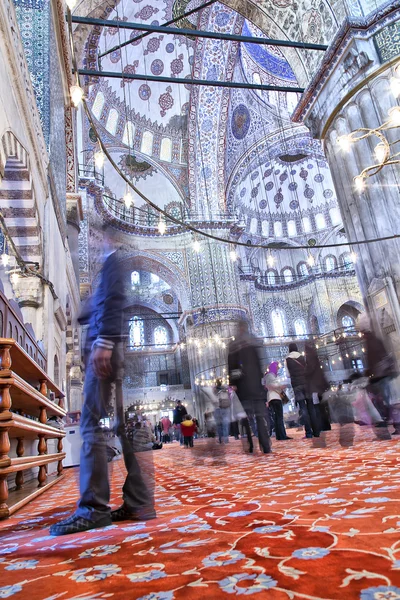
351, 91
74, 217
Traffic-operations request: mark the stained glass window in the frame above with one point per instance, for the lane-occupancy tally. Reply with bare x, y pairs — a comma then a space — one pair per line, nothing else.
253, 225
288, 275
135, 278
112, 121
320, 221
136, 332
278, 229
129, 134
147, 143
166, 149
307, 224
271, 277
265, 228
300, 327
303, 270
330, 263
346, 261
278, 322
291, 228
98, 105
154, 278
335, 216
347, 321
160, 336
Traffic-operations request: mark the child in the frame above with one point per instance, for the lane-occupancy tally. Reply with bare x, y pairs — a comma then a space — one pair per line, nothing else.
188, 428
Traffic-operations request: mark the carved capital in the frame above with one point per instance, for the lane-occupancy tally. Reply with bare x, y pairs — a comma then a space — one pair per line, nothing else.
29, 291
74, 210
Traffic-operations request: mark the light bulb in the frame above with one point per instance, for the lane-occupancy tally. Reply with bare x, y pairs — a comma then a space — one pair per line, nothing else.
233, 255
395, 86
394, 116
381, 152
344, 142
76, 93
196, 246
128, 199
270, 260
99, 159
14, 278
5, 259
71, 4
359, 183
162, 228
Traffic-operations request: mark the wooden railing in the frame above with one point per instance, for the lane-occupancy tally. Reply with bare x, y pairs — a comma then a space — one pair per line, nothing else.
25, 407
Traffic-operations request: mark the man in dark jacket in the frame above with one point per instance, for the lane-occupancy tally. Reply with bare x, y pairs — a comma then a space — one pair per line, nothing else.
246, 375
179, 414
296, 369
104, 359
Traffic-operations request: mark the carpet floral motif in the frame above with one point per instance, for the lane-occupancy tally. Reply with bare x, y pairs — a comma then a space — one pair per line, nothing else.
321, 524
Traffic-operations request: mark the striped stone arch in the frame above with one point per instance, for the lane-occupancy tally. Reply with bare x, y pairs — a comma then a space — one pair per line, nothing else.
17, 201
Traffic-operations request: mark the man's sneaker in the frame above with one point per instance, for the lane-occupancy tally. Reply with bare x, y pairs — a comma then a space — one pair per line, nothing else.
123, 513
77, 524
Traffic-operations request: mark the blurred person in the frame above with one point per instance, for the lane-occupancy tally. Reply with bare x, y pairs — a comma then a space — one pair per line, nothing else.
222, 412
179, 412
274, 388
317, 384
296, 369
246, 374
166, 426
380, 367
188, 429
104, 314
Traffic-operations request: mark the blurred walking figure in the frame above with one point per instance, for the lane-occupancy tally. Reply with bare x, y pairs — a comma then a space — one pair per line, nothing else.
296, 369
188, 429
380, 367
166, 426
246, 374
179, 413
275, 388
222, 412
104, 361
317, 384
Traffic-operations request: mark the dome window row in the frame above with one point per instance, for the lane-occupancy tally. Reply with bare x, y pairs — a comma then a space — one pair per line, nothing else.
294, 229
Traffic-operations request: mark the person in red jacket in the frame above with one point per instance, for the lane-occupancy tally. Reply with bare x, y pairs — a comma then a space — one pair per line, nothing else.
188, 429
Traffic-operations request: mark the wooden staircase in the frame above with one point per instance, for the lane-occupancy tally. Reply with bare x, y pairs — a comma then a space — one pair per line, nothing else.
25, 406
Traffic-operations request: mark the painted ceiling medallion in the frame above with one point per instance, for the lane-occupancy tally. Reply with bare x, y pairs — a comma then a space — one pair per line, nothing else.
146, 12
278, 198
132, 167
157, 66
131, 70
153, 45
177, 65
166, 101
144, 92
240, 121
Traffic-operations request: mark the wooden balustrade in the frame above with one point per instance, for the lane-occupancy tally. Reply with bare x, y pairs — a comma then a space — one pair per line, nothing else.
24, 410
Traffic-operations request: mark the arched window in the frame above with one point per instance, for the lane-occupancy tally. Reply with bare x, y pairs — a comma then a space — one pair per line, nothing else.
253, 225
98, 105
271, 278
129, 134
335, 216
147, 143
265, 228
303, 271
136, 332
278, 322
291, 228
347, 321
160, 336
154, 278
288, 275
300, 328
166, 149
278, 229
320, 221
346, 262
307, 224
330, 263
112, 121
135, 278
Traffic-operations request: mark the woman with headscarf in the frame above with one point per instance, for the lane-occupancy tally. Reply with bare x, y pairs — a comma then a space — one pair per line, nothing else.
275, 387
317, 384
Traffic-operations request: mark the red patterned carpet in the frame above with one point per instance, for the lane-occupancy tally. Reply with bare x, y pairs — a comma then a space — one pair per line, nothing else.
302, 523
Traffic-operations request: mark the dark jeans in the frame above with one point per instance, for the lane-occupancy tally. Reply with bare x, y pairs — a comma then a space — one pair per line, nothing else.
256, 412
138, 489
309, 417
188, 441
277, 414
222, 418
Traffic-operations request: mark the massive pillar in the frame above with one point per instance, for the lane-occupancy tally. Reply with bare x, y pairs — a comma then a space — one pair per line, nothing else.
352, 91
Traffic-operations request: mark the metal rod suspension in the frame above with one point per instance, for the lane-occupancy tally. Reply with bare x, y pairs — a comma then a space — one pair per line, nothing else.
181, 80
212, 35
167, 24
